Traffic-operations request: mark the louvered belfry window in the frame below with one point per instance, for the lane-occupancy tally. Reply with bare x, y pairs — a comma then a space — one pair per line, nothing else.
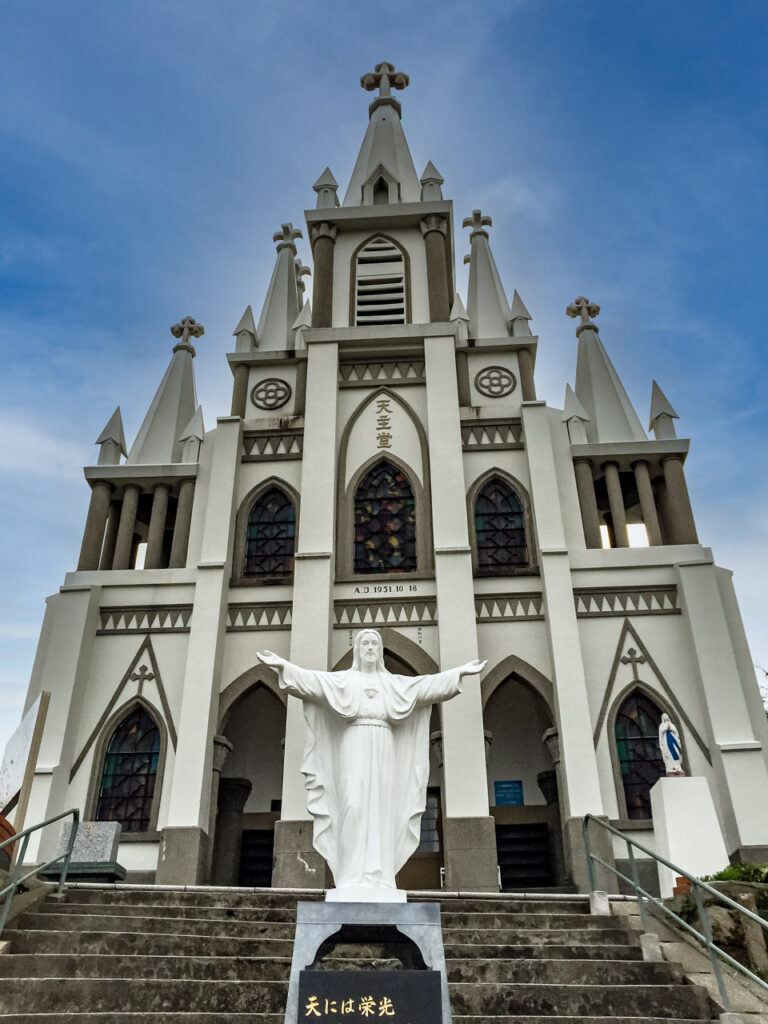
380, 284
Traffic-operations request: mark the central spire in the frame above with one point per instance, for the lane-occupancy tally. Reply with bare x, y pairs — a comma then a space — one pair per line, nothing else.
384, 172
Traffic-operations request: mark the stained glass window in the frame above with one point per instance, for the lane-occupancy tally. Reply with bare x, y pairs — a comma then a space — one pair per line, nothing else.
385, 522
270, 538
637, 744
130, 770
499, 530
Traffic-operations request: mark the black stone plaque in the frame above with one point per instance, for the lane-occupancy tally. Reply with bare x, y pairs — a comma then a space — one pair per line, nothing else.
370, 997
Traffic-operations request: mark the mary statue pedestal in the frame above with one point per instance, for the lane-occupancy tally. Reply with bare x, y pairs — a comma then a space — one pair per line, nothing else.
366, 763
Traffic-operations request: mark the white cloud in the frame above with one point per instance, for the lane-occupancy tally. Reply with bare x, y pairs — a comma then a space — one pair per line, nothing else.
31, 450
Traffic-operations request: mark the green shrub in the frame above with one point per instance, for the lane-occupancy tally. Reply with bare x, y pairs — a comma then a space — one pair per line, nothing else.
739, 873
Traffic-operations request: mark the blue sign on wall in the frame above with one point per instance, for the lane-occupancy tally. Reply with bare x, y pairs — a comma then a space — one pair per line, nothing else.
508, 792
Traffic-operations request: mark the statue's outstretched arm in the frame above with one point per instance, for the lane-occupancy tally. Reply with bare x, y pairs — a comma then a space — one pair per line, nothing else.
271, 659
472, 668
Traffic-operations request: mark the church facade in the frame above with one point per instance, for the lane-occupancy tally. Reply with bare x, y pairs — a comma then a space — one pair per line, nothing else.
386, 462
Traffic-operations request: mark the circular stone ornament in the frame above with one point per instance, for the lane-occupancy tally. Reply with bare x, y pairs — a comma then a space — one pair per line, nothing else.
495, 381
271, 393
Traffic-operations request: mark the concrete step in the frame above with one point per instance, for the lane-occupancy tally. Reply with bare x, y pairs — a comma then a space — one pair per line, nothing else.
105, 965
533, 936
57, 995
236, 928
527, 920
548, 951
246, 912
498, 1000
129, 943
565, 972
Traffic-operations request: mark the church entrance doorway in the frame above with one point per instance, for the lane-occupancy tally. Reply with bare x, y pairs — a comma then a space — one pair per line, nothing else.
249, 790
522, 787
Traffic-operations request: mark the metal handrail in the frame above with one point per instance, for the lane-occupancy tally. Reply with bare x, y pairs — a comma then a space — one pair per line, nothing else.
714, 951
64, 858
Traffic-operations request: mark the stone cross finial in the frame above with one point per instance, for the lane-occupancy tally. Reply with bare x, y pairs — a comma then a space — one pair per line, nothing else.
584, 308
384, 78
286, 236
142, 676
187, 326
477, 222
301, 271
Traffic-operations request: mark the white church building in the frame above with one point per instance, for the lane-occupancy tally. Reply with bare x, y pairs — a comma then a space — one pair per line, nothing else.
386, 462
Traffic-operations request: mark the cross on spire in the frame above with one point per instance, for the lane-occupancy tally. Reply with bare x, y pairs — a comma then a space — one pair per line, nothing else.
301, 271
477, 222
286, 236
583, 308
187, 326
142, 676
634, 659
384, 78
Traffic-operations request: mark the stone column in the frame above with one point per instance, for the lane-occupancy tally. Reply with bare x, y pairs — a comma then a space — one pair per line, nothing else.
434, 230
647, 502
296, 862
525, 363
233, 794
682, 528
156, 533
590, 517
580, 781
469, 834
185, 857
240, 390
323, 241
180, 541
616, 503
124, 542
110, 537
221, 751
96, 520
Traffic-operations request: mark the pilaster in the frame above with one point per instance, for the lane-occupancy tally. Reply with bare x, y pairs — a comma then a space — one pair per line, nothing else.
240, 390
678, 503
585, 486
468, 833
96, 521
156, 532
184, 853
182, 525
581, 791
124, 542
323, 237
296, 862
434, 230
616, 505
647, 502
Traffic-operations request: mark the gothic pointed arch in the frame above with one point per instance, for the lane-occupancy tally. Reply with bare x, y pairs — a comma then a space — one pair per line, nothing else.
410, 654
265, 534
349, 482
380, 277
500, 525
128, 765
257, 675
633, 724
513, 665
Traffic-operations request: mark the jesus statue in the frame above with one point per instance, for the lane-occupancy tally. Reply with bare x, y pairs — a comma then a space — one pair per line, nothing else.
366, 763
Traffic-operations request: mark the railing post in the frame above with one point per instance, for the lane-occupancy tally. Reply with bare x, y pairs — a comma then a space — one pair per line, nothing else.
707, 930
70, 847
588, 851
644, 916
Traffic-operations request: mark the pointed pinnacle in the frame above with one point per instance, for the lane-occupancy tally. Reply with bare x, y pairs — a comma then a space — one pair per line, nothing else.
326, 180
246, 324
458, 310
572, 408
431, 173
304, 319
518, 308
194, 429
114, 431
660, 406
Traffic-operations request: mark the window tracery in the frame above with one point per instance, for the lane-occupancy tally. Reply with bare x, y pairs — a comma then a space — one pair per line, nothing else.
499, 530
270, 538
637, 746
130, 772
385, 522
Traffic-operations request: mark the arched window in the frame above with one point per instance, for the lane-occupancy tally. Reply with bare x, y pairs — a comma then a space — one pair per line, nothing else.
637, 746
385, 522
499, 530
270, 538
130, 769
380, 283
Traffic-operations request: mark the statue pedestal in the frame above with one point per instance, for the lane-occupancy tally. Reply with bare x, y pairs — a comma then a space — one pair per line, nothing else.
411, 932
359, 894
686, 829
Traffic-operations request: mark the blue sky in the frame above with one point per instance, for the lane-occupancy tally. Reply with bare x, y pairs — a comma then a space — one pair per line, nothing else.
148, 151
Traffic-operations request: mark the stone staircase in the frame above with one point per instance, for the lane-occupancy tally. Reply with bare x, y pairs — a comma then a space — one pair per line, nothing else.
162, 955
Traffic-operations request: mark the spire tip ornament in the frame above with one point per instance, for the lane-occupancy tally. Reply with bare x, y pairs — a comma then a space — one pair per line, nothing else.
585, 309
384, 78
188, 326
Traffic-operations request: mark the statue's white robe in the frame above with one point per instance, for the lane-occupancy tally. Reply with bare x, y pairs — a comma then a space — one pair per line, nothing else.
366, 765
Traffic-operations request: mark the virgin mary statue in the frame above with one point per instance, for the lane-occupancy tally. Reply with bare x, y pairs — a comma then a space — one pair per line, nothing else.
366, 763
